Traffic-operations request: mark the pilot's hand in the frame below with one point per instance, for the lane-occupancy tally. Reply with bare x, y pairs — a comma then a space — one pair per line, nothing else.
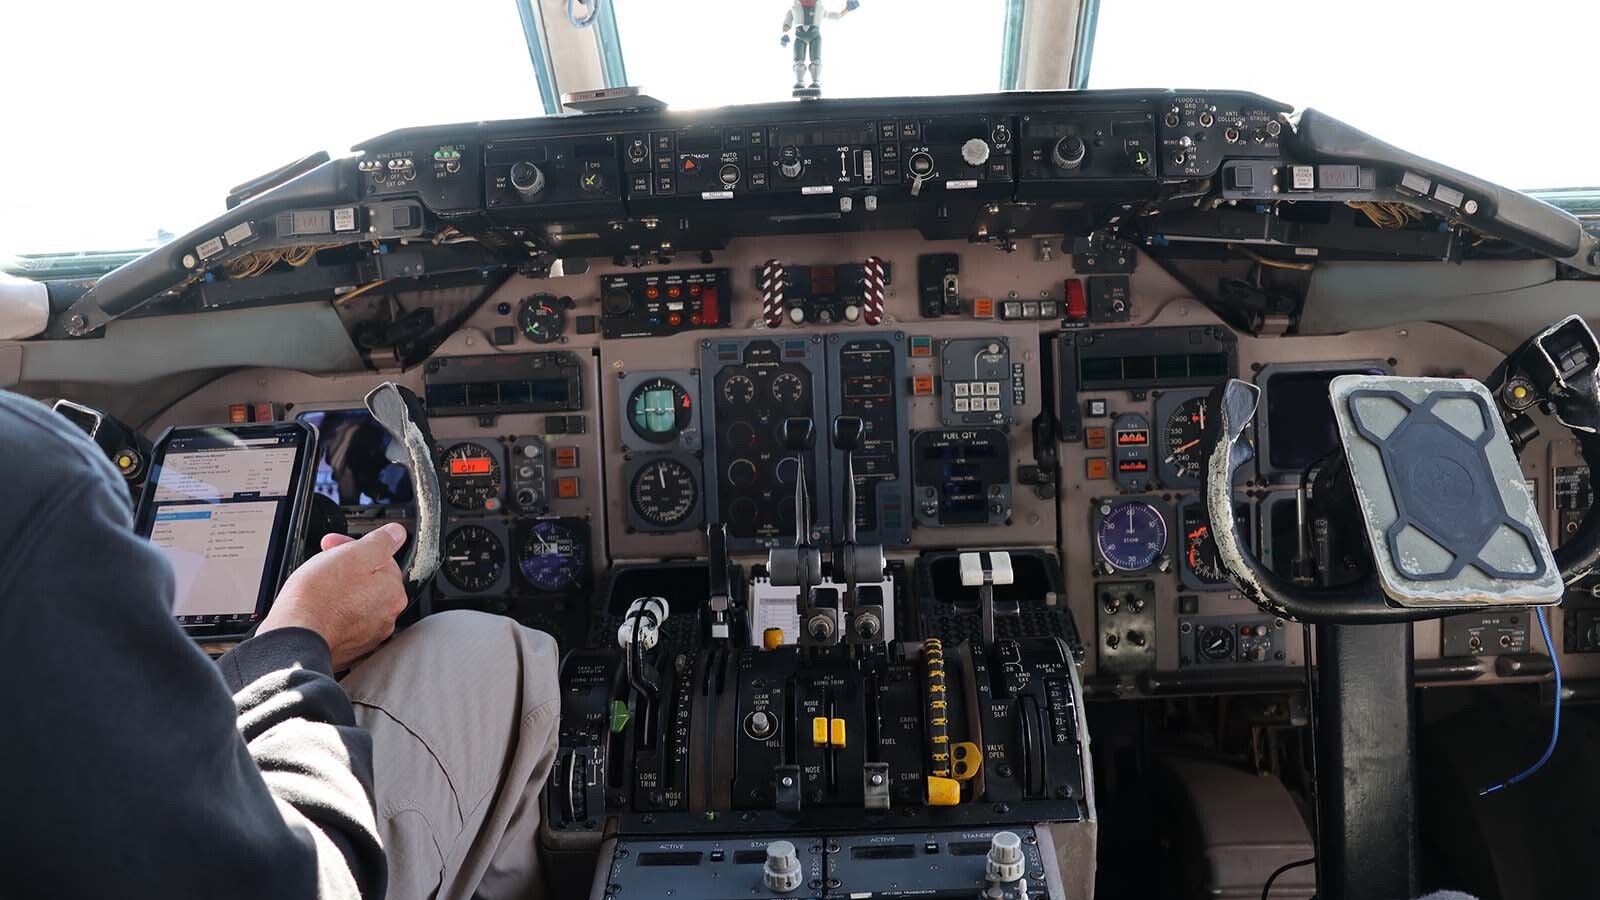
783, 41
350, 593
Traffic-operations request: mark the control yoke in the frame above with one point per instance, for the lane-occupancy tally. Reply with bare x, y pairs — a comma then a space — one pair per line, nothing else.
400, 413
1363, 602
1556, 370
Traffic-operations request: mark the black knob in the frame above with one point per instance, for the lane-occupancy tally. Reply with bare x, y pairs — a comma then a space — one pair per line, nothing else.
799, 433
527, 179
847, 432
1068, 152
617, 301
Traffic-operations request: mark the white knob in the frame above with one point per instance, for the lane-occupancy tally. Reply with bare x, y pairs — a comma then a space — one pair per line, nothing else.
975, 152
1004, 863
797, 315
782, 870
852, 312
527, 180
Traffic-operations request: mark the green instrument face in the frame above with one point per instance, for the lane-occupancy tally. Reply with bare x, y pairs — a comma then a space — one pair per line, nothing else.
659, 409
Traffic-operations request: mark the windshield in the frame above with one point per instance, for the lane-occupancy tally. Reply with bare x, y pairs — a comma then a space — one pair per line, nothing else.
715, 54
136, 119
1498, 91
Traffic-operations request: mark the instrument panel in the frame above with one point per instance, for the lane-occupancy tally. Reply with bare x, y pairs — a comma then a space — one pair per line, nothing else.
629, 444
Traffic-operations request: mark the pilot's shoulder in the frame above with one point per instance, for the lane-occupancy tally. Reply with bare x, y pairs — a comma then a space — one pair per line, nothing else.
45, 446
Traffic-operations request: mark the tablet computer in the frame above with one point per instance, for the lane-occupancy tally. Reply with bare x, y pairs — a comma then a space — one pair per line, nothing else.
227, 504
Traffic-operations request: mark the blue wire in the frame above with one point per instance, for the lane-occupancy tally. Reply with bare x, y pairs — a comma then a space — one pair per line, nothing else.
1555, 729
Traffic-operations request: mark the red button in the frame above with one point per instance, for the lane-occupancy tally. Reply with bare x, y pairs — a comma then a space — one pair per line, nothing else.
674, 292
694, 290
1077, 303
694, 319
675, 319
651, 293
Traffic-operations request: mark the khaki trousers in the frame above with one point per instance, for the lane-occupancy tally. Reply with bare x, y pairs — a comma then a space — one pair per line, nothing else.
463, 710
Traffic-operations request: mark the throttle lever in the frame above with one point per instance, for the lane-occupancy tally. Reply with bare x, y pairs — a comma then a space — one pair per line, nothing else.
400, 413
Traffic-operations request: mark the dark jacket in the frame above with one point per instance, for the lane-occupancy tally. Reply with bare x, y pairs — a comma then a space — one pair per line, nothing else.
131, 765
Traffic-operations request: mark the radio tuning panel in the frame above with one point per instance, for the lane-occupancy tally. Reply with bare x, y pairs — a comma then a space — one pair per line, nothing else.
752, 385
865, 373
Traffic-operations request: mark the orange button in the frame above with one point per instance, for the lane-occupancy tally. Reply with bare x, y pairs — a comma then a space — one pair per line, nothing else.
675, 319
567, 488
922, 386
982, 308
1094, 438
651, 293
695, 289
566, 457
674, 292
262, 412
238, 413
1095, 468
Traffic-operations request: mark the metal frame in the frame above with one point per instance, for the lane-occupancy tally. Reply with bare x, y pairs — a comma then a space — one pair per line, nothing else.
1011, 45
533, 33
1083, 44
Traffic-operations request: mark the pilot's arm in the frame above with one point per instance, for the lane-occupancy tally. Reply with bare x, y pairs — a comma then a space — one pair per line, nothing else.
127, 768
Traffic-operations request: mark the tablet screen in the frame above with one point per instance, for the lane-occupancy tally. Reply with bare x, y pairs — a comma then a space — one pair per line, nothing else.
220, 504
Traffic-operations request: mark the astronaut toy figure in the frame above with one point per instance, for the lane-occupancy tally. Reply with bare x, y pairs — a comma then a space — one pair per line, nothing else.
805, 18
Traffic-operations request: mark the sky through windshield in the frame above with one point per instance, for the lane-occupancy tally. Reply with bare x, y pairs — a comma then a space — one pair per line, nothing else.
136, 119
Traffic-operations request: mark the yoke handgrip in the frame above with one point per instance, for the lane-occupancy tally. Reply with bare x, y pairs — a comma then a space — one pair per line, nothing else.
400, 413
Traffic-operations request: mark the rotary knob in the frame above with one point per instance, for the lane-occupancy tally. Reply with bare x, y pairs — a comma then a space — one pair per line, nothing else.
975, 152
781, 873
617, 301
1068, 152
1004, 863
789, 162
527, 180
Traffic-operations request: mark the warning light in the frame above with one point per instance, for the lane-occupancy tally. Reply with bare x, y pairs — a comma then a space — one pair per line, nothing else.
472, 465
